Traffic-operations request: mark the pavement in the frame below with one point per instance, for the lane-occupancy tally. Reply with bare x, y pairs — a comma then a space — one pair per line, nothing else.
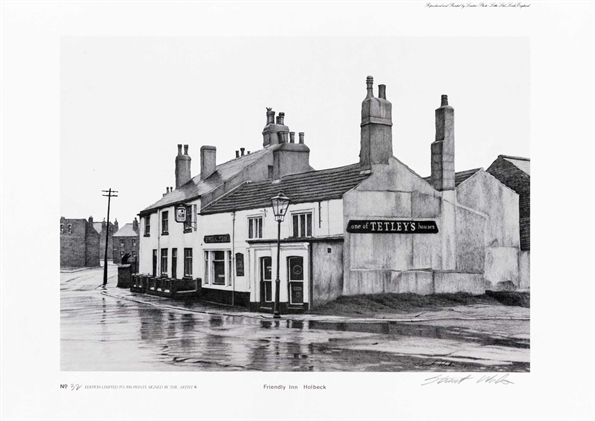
466, 313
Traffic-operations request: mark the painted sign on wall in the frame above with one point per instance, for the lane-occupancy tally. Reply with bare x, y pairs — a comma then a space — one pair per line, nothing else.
392, 227
221, 238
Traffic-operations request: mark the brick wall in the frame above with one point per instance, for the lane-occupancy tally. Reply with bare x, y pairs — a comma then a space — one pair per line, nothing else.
123, 245
79, 243
519, 181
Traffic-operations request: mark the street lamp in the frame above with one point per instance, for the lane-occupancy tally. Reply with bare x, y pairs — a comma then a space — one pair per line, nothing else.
280, 204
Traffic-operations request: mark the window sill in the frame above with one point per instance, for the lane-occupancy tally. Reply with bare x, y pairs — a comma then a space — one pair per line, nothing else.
165, 233
187, 230
147, 235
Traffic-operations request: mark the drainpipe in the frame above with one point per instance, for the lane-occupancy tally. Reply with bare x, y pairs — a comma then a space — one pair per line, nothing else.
233, 257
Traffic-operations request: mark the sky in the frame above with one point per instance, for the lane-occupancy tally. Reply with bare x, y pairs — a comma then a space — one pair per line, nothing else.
126, 102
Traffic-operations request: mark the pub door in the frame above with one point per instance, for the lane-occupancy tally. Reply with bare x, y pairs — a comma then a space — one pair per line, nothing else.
266, 282
295, 266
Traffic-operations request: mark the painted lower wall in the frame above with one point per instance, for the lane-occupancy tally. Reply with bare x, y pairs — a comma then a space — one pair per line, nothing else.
524, 270
327, 271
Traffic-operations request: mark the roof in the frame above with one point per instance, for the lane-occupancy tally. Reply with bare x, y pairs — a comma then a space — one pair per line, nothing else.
126, 231
99, 227
311, 186
459, 176
522, 164
197, 187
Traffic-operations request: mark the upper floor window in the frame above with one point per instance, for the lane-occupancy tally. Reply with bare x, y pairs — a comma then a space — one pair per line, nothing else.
302, 224
255, 227
164, 222
121, 242
69, 228
147, 225
189, 217
61, 228
133, 243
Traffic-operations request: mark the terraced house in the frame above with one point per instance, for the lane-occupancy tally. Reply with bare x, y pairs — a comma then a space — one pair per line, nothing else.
369, 227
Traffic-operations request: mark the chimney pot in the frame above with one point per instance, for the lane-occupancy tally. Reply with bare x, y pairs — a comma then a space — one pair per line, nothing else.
179, 149
301, 135
185, 149
237, 154
242, 150
291, 137
270, 116
444, 101
370, 87
281, 118
248, 153
382, 91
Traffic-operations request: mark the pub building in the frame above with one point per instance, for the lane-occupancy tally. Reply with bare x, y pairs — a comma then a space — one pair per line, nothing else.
371, 227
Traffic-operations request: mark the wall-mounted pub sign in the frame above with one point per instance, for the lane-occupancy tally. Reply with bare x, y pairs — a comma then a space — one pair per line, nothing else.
221, 238
392, 227
181, 213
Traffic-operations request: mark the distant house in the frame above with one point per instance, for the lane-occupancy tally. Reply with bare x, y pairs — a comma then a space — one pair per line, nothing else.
100, 227
79, 243
125, 241
514, 172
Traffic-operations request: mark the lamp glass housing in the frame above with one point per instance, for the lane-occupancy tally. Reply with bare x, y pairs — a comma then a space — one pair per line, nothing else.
280, 203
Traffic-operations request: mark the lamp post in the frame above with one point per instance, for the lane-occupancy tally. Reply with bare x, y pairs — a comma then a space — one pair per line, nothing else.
280, 204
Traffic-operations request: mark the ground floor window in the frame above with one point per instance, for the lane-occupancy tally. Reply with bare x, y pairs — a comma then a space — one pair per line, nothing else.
163, 262
188, 262
217, 267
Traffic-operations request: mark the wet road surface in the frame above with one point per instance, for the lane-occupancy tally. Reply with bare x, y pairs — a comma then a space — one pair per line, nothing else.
102, 332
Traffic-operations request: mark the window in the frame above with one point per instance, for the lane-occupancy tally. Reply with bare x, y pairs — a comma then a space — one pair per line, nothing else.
147, 225
255, 227
302, 224
194, 216
217, 267
164, 222
61, 228
174, 263
163, 262
188, 222
69, 228
121, 253
239, 264
122, 243
133, 243
188, 262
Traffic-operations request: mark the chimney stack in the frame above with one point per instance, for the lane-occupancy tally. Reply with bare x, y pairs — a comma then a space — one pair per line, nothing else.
443, 148
135, 225
207, 161
90, 220
183, 167
376, 128
270, 133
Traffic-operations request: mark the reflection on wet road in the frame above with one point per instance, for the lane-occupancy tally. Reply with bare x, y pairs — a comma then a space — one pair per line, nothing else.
103, 333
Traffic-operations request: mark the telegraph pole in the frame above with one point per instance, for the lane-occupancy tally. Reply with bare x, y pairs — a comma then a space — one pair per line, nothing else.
110, 193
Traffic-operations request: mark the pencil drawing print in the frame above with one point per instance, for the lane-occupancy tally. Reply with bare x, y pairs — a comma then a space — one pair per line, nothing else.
262, 262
